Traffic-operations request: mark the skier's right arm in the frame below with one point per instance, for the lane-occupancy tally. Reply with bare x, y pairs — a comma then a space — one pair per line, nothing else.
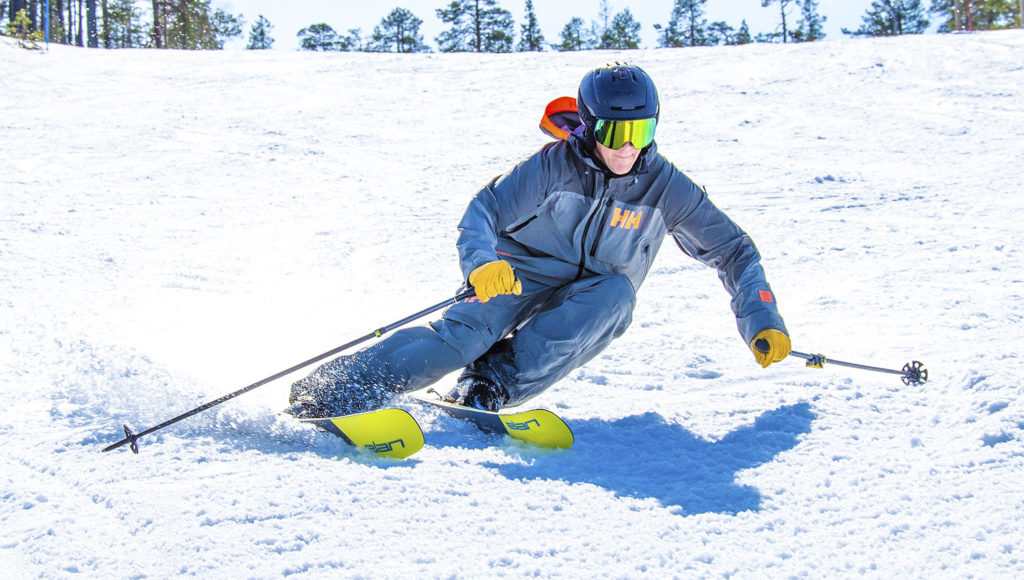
500, 203
478, 231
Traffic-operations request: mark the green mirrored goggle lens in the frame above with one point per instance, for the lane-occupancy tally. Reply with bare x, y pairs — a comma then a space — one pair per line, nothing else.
615, 134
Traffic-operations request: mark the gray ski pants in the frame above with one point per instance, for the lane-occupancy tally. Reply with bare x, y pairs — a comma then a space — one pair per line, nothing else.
525, 343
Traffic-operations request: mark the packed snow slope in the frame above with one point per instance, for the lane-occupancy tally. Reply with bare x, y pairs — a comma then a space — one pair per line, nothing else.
177, 225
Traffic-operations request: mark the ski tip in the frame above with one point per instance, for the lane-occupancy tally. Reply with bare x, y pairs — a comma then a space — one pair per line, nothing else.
540, 427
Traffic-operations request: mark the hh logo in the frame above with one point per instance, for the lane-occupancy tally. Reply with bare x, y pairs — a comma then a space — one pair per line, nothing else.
385, 447
627, 220
522, 426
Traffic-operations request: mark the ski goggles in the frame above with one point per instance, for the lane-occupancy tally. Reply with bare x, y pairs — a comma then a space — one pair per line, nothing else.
615, 134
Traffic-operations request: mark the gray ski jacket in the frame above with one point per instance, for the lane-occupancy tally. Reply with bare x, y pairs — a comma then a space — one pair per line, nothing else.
559, 216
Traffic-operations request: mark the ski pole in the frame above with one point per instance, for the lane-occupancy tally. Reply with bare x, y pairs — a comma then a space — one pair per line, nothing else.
131, 438
913, 373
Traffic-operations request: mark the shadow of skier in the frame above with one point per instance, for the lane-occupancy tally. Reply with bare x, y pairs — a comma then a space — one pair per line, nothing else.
643, 456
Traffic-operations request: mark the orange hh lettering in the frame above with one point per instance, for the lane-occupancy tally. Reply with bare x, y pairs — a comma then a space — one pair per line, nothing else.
626, 219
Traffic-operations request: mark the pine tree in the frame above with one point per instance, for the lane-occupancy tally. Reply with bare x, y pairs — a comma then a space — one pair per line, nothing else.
810, 27
399, 31
624, 32
79, 37
20, 27
596, 37
456, 38
671, 36
105, 15
159, 23
892, 18
530, 36
191, 24
10, 10
497, 28
322, 37
572, 36
783, 4
35, 11
353, 42
686, 26
950, 11
977, 14
695, 32
92, 33
123, 28
720, 32
259, 36
223, 26
318, 36
995, 14
955, 12
743, 35
476, 26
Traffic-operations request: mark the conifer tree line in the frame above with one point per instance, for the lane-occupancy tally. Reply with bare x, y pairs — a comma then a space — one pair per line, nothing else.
476, 25
182, 24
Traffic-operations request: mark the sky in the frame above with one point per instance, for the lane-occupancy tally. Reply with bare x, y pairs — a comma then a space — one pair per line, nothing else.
290, 17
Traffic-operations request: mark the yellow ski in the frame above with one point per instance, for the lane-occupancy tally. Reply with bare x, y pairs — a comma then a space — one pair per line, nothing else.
387, 432
538, 426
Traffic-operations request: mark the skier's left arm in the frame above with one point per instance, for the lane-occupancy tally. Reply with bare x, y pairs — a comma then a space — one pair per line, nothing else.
704, 232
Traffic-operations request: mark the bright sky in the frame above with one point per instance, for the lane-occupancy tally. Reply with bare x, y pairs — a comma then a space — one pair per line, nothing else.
290, 17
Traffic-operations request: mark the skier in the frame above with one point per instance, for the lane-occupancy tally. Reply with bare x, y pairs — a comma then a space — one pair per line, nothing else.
556, 249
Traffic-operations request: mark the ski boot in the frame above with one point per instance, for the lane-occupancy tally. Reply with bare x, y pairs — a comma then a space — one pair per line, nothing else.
478, 393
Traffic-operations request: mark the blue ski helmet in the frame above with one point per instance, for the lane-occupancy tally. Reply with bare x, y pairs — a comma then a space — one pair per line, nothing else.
617, 92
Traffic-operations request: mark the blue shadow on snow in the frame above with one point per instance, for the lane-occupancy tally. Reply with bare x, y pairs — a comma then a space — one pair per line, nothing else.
642, 456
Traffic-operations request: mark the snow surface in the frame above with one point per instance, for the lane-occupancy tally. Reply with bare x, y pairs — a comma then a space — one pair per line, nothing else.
177, 225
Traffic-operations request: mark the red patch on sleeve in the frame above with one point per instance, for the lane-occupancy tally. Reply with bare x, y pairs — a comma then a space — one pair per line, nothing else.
765, 295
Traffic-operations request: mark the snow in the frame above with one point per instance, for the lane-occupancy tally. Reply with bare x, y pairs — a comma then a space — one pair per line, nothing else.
176, 226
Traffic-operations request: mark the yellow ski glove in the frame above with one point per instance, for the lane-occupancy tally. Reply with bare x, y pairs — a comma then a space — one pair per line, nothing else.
494, 278
775, 342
